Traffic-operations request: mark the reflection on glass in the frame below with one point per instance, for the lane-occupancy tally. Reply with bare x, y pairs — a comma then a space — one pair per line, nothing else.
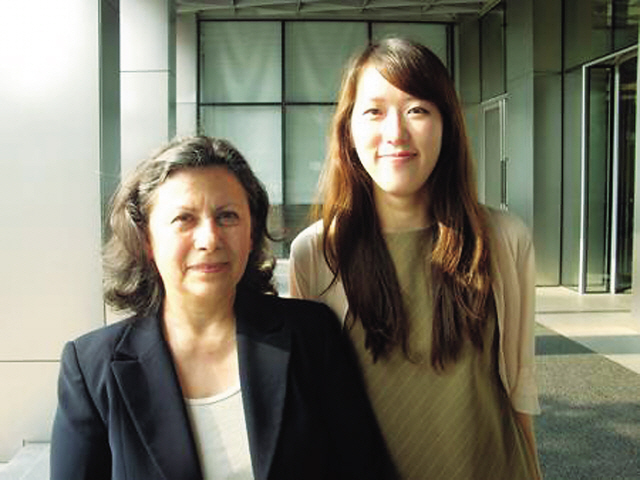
598, 179
626, 175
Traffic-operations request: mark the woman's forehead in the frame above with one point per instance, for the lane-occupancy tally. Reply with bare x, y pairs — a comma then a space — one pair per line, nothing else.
212, 183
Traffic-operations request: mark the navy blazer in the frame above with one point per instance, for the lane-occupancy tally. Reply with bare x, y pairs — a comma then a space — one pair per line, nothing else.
121, 414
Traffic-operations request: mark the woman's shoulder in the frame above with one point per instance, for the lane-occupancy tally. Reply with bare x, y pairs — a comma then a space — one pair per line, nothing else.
309, 239
100, 344
295, 308
302, 317
506, 225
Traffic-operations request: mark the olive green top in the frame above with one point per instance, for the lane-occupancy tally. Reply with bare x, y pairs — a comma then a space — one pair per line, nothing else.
455, 424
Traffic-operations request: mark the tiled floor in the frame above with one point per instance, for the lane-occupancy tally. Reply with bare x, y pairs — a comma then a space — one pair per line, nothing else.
600, 322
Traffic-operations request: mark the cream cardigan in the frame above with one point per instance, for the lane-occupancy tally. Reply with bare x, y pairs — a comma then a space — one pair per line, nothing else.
513, 282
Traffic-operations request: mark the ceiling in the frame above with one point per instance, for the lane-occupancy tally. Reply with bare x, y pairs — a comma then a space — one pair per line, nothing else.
422, 10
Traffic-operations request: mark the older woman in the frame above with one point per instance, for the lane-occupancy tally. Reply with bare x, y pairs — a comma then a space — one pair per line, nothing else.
213, 376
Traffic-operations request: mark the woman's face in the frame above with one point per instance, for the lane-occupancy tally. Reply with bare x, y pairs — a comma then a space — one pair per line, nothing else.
200, 233
397, 136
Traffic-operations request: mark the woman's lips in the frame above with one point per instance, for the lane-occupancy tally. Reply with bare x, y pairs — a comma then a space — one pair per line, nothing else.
209, 267
398, 157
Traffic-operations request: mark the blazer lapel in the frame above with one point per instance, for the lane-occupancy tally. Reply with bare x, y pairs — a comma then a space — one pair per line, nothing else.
263, 354
149, 385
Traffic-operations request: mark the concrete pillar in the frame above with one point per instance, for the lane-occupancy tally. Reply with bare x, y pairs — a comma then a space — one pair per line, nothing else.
186, 74
520, 87
547, 139
57, 59
148, 81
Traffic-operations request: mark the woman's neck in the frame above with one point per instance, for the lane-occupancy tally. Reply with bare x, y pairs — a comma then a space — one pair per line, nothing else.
401, 213
204, 348
192, 324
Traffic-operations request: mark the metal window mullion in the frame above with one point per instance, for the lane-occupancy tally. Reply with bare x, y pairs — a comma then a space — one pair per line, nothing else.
582, 265
504, 159
615, 186
283, 106
199, 61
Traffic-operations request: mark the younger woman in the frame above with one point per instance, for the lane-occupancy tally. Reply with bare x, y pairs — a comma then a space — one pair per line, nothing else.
436, 291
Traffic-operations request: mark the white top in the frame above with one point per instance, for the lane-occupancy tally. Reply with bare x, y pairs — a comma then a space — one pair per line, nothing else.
513, 283
221, 437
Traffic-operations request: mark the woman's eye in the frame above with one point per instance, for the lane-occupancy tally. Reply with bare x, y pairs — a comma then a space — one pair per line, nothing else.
418, 110
372, 112
227, 218
183, 218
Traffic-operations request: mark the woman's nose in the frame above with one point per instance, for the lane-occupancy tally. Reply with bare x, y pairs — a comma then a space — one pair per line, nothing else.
393, 128
207, 235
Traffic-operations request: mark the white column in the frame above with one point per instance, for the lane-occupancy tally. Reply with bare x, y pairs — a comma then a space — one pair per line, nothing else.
186, 74
50, 187
147, 64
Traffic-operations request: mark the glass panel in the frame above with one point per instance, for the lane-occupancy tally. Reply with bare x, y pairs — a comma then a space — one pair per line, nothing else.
571, 178
433, 35
315, 54
587, 31
256, 132
306, 130
306, 133
492, 157
599, 179
625, 22
492, 52
240, 62
626, 175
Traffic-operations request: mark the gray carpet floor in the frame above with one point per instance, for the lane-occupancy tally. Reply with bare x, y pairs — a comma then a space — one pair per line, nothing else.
590, 422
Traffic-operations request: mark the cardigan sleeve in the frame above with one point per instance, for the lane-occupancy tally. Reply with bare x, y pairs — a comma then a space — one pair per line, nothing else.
79, 442
514, 289
525, 394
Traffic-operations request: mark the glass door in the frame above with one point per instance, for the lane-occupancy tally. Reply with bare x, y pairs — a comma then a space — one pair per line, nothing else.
608, 163
626, 162
493, 181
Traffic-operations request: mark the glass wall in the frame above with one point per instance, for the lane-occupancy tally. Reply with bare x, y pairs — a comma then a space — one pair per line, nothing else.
270, 87
595, 251
594, 28
625, 194
598, 182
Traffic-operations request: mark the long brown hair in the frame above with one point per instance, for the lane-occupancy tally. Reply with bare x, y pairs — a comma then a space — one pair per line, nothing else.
353, 243
131, 280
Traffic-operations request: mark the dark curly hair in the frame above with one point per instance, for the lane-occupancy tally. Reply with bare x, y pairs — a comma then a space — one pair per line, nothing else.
131, 280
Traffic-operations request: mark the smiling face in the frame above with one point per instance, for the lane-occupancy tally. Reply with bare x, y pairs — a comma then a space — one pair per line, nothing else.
200, 234
397, 136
